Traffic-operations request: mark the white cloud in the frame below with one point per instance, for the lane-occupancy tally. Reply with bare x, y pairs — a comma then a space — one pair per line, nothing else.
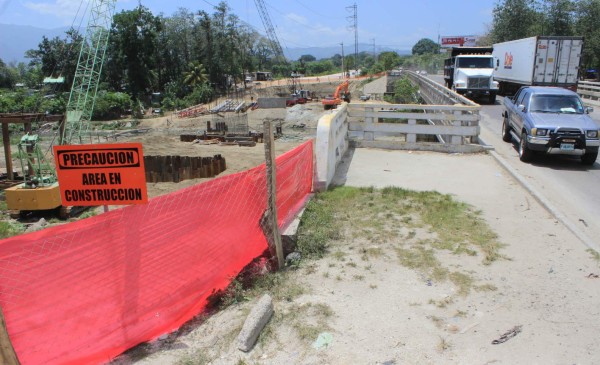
62, 9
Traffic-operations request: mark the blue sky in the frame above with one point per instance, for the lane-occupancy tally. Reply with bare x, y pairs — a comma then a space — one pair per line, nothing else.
300, 23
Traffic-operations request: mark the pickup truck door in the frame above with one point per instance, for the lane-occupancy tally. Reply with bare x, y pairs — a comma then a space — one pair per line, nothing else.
517, 117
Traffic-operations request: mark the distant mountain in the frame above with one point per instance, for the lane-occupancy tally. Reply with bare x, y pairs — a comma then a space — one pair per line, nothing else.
15, 40
327, 52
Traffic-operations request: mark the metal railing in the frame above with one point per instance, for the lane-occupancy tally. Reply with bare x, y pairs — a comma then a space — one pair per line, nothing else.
589, 92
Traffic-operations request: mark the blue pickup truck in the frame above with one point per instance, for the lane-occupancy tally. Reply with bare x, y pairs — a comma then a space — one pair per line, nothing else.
550, 120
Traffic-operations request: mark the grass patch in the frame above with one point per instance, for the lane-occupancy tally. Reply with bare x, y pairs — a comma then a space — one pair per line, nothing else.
317, 226
198, 357
423, 260
595, 255
460, 314
307, 320
394, 217
462, 281
309, 331
9, 229
485, 287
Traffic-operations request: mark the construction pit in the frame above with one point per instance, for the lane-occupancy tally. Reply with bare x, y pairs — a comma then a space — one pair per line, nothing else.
189, 138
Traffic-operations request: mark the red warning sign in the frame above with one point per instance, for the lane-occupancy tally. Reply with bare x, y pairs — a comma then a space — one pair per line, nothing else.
101, 174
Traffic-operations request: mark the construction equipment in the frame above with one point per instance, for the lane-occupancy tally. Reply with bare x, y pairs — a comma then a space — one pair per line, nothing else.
341, 94
40, 189
293, 81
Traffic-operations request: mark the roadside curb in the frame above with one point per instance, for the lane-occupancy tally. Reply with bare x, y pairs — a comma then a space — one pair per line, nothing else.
544, 202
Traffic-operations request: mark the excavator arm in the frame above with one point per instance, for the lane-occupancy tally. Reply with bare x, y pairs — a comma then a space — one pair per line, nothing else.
341, 93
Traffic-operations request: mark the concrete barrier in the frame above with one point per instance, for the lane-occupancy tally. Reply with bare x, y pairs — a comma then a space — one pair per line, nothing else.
256, 321
331, 145
271, 103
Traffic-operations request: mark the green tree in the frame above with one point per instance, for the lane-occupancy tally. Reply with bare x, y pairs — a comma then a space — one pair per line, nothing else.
200, 95
57, 57
558, 17
425, 46
196, 74
7, 76
307, 58
111, 105
588, 13
389, 60
513, 19
405, 92
133, 49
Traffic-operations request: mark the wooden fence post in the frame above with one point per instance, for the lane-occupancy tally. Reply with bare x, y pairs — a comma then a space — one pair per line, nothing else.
7, 154
7, 352
272, 192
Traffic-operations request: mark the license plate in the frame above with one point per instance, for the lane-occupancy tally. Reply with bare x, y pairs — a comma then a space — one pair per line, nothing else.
567, 146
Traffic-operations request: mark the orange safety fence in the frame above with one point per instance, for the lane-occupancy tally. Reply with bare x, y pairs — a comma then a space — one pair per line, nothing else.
84, 292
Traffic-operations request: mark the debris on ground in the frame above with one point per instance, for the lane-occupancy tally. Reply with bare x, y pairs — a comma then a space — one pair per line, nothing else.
508, 335
255, 322
323, 341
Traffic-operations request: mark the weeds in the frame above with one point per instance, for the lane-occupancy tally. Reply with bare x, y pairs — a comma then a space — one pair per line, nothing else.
9, 229
198, 357
595, 255
443, 345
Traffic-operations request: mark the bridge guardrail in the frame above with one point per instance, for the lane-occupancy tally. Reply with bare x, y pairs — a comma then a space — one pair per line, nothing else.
434, 93
454, 120
330, 146
406, 126
589, 92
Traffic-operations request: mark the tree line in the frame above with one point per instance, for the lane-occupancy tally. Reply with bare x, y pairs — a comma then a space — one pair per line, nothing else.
192, 57
189, 57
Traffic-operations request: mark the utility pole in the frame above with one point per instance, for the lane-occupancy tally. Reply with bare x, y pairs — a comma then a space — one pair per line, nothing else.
354, 26
374, 52
343, 70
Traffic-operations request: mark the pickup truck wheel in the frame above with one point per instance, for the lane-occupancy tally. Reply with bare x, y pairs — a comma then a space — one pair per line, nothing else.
525, 154
589, 158
506, 137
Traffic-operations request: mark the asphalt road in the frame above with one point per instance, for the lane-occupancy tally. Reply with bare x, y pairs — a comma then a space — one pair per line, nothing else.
569, 187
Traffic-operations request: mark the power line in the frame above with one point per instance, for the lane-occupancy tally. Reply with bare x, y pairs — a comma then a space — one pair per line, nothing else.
319, 14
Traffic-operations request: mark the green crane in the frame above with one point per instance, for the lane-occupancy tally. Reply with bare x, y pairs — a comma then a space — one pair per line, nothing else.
87, 75
40, 190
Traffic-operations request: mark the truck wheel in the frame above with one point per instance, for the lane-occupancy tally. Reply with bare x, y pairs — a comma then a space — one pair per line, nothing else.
589, 158
506, 137
492, 99
525, 154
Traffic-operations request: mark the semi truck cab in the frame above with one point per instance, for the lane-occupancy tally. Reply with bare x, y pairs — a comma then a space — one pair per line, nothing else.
469, 71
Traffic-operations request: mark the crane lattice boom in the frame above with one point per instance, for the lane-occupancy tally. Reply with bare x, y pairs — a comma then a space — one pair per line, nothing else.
89, 66
266, 19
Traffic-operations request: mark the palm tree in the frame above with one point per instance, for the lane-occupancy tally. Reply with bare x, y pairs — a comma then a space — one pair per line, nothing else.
196, 75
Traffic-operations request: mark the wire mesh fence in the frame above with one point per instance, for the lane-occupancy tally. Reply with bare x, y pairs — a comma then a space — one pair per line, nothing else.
86, 291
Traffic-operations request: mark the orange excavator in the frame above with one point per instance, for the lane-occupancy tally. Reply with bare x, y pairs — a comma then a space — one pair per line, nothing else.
341, 93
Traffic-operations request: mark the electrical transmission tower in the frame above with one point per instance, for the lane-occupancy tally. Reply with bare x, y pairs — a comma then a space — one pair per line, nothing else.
354, 26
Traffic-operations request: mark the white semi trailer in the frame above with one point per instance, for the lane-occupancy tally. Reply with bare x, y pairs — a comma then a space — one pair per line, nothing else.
537, 61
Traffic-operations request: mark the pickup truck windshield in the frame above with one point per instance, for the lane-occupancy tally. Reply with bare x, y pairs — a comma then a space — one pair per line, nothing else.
474, 62
556, 104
